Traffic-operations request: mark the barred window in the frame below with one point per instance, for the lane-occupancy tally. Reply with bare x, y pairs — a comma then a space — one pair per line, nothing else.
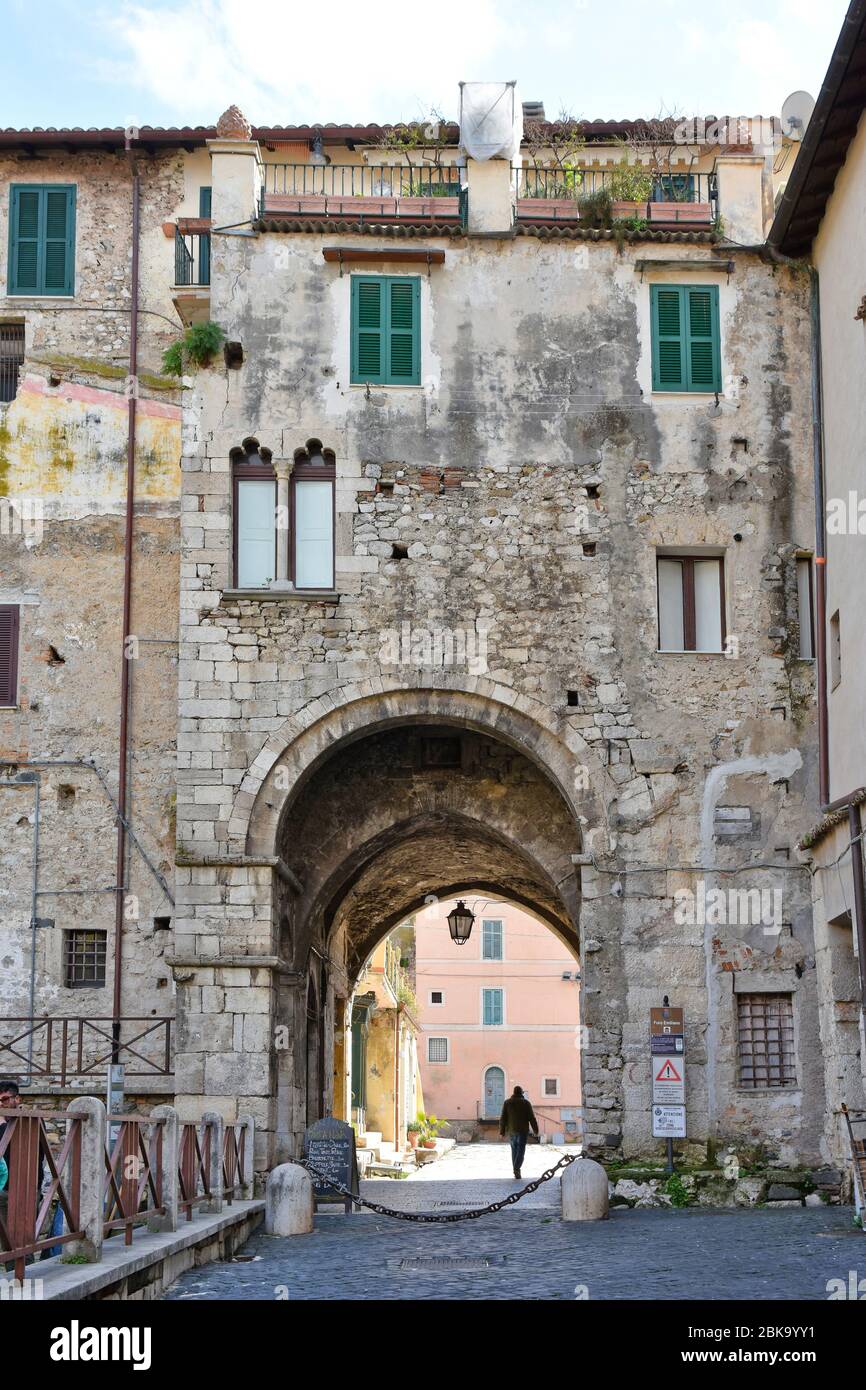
11, 358
437, 1049
551, 1086
84, 959
766, 1040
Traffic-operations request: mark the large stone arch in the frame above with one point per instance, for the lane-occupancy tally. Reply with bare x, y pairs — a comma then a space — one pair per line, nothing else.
292, 752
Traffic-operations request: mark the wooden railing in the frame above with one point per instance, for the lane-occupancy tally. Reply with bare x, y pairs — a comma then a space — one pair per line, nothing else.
113, 1173
27, 1150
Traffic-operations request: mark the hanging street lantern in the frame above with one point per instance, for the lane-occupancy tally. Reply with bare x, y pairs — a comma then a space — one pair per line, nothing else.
460, 920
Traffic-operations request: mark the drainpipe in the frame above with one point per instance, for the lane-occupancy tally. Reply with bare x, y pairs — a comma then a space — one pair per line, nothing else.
32, 779
123, 752
397, 1077
820, 544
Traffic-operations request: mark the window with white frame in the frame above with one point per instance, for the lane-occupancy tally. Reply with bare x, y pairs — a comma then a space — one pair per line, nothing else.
691, 603
550, 1086
492, 1007
437, 996
298, 501
437, 1049
491, 939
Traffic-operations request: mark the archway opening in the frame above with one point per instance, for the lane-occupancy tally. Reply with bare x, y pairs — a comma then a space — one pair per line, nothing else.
382, 827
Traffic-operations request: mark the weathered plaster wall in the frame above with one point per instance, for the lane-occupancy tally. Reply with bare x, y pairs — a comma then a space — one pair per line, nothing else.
535, 396
63, 442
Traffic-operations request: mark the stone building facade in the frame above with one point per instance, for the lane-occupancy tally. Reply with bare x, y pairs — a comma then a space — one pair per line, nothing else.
64, 428
477, 699
442, 670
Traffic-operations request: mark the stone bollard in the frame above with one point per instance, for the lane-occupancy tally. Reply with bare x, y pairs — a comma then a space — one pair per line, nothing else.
288, 1201
584, 1191
90, 1208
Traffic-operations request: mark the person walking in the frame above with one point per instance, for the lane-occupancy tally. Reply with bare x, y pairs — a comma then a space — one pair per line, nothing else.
515, 1121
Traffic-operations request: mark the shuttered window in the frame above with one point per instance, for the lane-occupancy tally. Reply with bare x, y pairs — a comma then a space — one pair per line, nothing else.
9, 618
386, 345
42, 239
491, 939
492, 1007
685, 338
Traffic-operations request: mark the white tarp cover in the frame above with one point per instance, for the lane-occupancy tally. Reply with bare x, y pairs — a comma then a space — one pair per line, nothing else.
491, 120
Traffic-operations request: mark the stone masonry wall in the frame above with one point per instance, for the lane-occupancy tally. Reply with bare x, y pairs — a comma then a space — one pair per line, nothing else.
530, 478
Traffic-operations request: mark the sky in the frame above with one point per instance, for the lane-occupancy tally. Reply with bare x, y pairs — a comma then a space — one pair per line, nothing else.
284, 62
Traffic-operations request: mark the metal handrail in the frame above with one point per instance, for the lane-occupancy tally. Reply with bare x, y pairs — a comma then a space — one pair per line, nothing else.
567, 182
63, 1047
386, 180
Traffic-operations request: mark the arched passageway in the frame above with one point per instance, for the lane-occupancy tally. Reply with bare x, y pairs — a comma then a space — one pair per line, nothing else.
384, 823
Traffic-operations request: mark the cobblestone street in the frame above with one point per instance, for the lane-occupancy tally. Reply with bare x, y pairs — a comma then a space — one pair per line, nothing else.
526, 1252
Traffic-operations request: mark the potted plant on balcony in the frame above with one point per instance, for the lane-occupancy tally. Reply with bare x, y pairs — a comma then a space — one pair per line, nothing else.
413, 1133
630, 188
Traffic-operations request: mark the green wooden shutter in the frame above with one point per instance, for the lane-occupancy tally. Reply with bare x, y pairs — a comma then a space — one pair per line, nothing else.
42, 239
368, 305
703, 362
204, 210
685, 338
386, 341
59, 245
24, 241
668, 338
403, 338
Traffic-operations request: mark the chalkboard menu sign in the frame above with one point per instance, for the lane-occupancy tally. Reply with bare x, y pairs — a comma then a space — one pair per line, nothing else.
330, 1147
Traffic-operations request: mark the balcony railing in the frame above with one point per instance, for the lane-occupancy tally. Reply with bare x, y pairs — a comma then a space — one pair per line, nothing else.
694, 194
384, 190
56, 1049
191, 258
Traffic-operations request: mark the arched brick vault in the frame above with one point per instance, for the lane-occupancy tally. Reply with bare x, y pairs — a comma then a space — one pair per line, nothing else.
372, 823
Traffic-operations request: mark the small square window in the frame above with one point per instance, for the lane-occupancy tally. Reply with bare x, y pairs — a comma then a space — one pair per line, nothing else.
84, 959
437, 996
437, 1049
551, 1086
11, 358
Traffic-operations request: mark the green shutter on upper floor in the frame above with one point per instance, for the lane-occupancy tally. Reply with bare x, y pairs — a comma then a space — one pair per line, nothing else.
386, 345
686, 353
41, 239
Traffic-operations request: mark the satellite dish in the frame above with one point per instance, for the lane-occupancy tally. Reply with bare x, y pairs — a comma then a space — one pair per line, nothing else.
796, 113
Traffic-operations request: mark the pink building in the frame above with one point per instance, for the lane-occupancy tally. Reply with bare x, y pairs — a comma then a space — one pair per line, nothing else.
498, 1012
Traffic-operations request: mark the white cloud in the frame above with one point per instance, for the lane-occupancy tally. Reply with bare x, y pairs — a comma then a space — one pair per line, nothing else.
286, 61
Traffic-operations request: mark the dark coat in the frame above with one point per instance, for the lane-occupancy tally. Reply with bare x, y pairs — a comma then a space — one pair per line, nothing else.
517, 1116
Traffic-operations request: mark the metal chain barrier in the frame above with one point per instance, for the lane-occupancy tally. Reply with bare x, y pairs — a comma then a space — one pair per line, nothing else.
446, 1217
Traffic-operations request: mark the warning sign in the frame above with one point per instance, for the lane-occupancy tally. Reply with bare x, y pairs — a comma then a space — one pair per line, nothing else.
669, 1081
